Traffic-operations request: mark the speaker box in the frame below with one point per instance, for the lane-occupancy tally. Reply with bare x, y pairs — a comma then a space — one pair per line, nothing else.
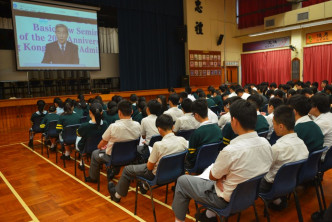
181, 33
221, 37
7, 39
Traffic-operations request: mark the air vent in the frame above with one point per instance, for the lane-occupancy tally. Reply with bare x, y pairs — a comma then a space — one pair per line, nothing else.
302, 16
269, 23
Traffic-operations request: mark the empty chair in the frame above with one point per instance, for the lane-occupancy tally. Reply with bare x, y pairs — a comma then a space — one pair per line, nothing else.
51, 133
155, 138
185, 133
169, 169
284, 183
242, 197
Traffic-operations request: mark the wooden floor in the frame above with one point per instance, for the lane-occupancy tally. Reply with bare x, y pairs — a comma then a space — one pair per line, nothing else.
33, 187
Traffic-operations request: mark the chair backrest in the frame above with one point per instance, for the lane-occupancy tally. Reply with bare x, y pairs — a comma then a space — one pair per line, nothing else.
207, 154
327, 163
36, 124
309, 169
91, 143
170, 167
185, 133
263, 134
83, 119
285, 180
215, 109
51, 131
155, 138
69, 134
123, 153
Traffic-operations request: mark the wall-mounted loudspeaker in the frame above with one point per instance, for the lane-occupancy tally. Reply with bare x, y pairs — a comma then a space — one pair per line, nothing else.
221, 37
181, 33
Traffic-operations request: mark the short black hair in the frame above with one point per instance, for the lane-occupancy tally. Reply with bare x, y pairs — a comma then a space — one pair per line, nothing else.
328, 88
299, 83
321, 101
300, 103
154, 107
188, 89
315, 84
183, 95
306, 91
275, 102
245, 112
326, 82
231, 100
200, 107
174, 98
291, 83
285, 115
291, 92
125, 107
202, 94
273, 84
256, 100
165, 122
239, 90
269, 93
279, 93
133, 98
52, 109
186, 105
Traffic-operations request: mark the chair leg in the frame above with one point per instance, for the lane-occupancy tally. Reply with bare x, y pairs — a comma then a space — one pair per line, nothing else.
75, 162
42, 141
98, 188
153, 208
166, 193
238, 217
298, 207
64, 160
266, 210
321, 191
83, 169
48, 155
136, 198
318, 194
256, 215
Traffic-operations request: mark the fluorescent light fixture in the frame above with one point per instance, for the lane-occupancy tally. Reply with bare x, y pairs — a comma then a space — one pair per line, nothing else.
294, 27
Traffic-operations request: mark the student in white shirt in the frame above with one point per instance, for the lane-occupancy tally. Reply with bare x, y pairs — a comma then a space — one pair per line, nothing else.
289, 148
148, 124
240, 93
273, 104
190, 96
232, 91
226, 118
174, 111
187, 121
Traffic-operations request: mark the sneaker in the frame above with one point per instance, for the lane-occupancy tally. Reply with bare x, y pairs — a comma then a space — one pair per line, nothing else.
79, 166
112, 191
65, 157
90, 180
203, 218
141, 187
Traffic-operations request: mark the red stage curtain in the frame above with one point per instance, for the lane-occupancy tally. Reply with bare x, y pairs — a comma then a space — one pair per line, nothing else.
312, 2
317, 63
272, 66
252, 12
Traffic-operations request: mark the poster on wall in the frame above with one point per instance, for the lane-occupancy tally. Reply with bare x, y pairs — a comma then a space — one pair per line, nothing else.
318, 37
266, 44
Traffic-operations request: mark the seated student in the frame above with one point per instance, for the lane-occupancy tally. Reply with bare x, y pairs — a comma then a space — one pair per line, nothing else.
183, 95
261, 125
206, 133
148, 124
84, 106
226, 118
190, 96
291, 93
324, 84
289, 148
279, 94
174, 111
210, 102
232, 89
299, 85
141, 112
50, 116
58, 105
162, 100
307, 92
111, 115
78, 109
187, 121
168, 145
68, 117
306, 129
133, 100
240, 93
96, 126
246, 157
273, 104
212, 117
101, 102
320, 108
216, 96
37, 115
122, 130
273, 86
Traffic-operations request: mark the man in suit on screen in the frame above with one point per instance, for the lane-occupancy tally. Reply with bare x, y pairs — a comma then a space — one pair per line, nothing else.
61, 51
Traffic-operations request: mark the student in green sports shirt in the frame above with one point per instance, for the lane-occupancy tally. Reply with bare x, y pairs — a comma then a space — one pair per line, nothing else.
50, 116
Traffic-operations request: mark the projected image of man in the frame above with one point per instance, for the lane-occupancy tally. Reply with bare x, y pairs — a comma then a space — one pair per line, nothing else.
61, 51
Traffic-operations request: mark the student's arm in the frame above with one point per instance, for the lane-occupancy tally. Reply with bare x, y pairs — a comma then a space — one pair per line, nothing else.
102, 143
106, 137
154, 157
150, 165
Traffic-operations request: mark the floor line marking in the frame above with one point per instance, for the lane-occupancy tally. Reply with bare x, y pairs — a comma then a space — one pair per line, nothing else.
84, 184
132, 189
24, 205
11, 144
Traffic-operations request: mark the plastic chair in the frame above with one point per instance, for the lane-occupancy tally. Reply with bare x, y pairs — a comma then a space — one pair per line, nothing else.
155, 138
242, 197
35, 128
170, 167
284, 183
123, 153
185, 133
91, 144
69, 138
51, 133
207, 154
263, 134
309, 171
325, 166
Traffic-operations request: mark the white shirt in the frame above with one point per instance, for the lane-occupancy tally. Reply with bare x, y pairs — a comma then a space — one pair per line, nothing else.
59, 110
269, 120
245, 96
303, 119
148, 127
212, 116
232, 94
174, 112
226, 118
121, 131
186, 122
191, 97
324, 121
168, 145
287, 149
246, 156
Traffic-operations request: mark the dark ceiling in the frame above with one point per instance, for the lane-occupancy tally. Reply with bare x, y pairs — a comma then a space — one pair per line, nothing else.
107, 16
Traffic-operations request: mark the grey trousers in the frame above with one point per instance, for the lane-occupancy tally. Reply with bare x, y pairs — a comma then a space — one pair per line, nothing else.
97, 157
190, 187
129, 173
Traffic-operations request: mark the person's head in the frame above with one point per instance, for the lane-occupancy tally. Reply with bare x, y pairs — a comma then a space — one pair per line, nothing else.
112, 108
320, 103
313, 89
133, 98
41, 105
188, 90
99, 99
232, 88
285, 88
223, 88
315, 84
173, 100
183, 95
80, 97
153, 107
162, 100
273, 104
142, 107
300, 104
269, 93
140, 99
69, 106
61, 32
52, 109
248, 89
324, 83
283, 120
199, 109
291, 93
96, 112
307, 92
228, 102
279, 93
243, 116
328, 89
256, 100
124, 109
171, 90
291, 83
201, 94
239, 92
164, 124
58, 102
273, 85
90, 101
299, 85
186, 105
